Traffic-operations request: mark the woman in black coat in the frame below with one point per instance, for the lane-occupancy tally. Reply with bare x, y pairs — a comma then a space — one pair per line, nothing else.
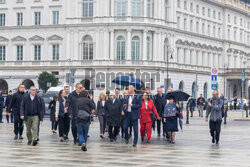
100, 113
113, 115
52, 107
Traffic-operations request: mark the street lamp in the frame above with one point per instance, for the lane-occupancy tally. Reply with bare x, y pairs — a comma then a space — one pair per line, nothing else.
168, 51
224, 92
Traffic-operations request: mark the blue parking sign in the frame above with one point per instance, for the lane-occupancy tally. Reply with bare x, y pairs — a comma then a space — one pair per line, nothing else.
214, 86
214, 77
243, 76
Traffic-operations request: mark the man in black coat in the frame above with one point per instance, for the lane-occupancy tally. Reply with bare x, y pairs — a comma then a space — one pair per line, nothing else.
9, 115
72, 110
160, 102
1, 107
31, 112
113, 111
14, 107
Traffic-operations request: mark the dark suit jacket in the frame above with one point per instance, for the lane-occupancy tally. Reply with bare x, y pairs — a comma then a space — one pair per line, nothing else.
160, 102
136, 105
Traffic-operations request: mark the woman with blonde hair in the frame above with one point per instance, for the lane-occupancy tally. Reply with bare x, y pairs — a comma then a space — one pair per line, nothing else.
124, 95
100, 113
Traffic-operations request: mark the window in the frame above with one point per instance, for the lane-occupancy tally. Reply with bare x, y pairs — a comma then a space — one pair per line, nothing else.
235, 20
178, 3
37, 52
2, 19
228, 34
219, 15
248, 41
185, 5
55, 51
55, 17
219, 32
88, 48
197, 27
135, 48
228, 18
2, 52
197, 9
241, 22
203, 11
166, 9
208, 30
191, 25
214, 31
203, 28
208, 13
214, 14
88, 8
19, 19
2, 1
136, 8
191, 7
185, 24
19, 52
235, 35
241, 36
178, 22
37, 18
19, 1
148, 8
121, 8
248, 25
120, 48
148, 48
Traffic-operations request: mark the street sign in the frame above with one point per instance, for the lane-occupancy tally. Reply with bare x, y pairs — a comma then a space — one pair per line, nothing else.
214, 86
214, 71
243, 76
214, 77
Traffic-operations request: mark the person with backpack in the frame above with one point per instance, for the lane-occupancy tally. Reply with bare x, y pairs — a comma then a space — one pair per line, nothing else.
214, 110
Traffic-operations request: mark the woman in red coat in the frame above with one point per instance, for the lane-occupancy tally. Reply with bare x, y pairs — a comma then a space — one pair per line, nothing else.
146, 121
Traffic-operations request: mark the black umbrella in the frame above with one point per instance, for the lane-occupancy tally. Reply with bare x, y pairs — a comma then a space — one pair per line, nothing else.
178, 95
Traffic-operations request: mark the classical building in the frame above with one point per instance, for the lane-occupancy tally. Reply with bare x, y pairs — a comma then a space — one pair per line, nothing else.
185, 37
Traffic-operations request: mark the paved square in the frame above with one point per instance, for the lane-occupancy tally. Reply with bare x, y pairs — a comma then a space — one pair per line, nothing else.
193, 148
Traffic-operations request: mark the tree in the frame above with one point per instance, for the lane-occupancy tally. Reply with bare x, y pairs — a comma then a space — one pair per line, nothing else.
46, 77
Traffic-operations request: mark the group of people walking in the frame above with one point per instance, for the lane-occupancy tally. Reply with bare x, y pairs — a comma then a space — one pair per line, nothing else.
117, 114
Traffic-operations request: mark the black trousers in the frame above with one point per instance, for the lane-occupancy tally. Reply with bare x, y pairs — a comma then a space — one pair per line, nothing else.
74, 128
54, 125
63, 126
113, 131
10, 118
215, 128
18, 125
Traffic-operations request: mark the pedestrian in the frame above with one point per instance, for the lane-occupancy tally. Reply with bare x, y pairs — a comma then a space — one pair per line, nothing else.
52, 107
62, 116
9, 115
31, 112
125, 93
84, 106
191, 104
101, 114
71, 107
15, 109
235, 100
67, 91
164, 125
171, 114
240, 103
146, 121
214, 110
132, 104
200, 105
117, 93
112, 110
43, 110
160, 102
1, 106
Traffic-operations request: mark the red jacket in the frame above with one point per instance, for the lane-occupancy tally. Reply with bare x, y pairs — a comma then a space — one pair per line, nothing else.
145, 112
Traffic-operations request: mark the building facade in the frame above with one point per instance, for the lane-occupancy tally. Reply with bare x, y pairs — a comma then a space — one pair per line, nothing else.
185, 37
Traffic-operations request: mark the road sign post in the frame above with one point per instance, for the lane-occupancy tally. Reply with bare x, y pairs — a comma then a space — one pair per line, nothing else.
214, 76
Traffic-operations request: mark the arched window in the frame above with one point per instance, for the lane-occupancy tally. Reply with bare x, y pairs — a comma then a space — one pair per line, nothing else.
149, 48
149, 7
181, 86
135, 48
166, 9
120, 48
136, 8
87, 48
121, 7
88, 8
205, 90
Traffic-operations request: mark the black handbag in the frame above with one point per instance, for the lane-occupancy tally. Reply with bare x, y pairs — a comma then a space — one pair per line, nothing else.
153, 116
83, 115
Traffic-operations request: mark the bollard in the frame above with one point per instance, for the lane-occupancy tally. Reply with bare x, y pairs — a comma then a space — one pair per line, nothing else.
246, 112
225, 114
187, 121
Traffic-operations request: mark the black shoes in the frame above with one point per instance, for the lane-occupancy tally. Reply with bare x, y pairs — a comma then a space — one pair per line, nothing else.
111, 140
134, 145
126, 141
142, 139
34, 143
84, 147
20, 137
37, 139
65, 137
29, 143
213, 141
217, 143
16, 137
148, 141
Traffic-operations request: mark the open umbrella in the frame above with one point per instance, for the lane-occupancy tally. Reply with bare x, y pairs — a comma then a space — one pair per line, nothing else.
127, 80
178, 95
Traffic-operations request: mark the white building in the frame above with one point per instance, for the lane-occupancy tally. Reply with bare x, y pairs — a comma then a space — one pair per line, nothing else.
125, 35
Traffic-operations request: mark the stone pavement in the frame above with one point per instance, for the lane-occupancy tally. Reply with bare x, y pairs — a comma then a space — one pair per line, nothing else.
193, 148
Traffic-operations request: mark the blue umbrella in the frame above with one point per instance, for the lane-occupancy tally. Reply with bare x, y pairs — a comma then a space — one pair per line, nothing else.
127, 80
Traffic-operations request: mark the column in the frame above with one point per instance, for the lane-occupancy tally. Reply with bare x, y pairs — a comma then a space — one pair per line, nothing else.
112, 8
154, 46
112, 36
129, 8
145, 8
105, 45
144, 45
97, 45
160, 53
188, 56
129, 44
76, 48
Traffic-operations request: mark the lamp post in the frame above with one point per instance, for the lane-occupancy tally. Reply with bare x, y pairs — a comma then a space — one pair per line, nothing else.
168, 51
224, 92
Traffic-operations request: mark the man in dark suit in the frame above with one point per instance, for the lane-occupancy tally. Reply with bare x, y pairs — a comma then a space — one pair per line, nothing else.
160, 102
132, 103
1, 107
